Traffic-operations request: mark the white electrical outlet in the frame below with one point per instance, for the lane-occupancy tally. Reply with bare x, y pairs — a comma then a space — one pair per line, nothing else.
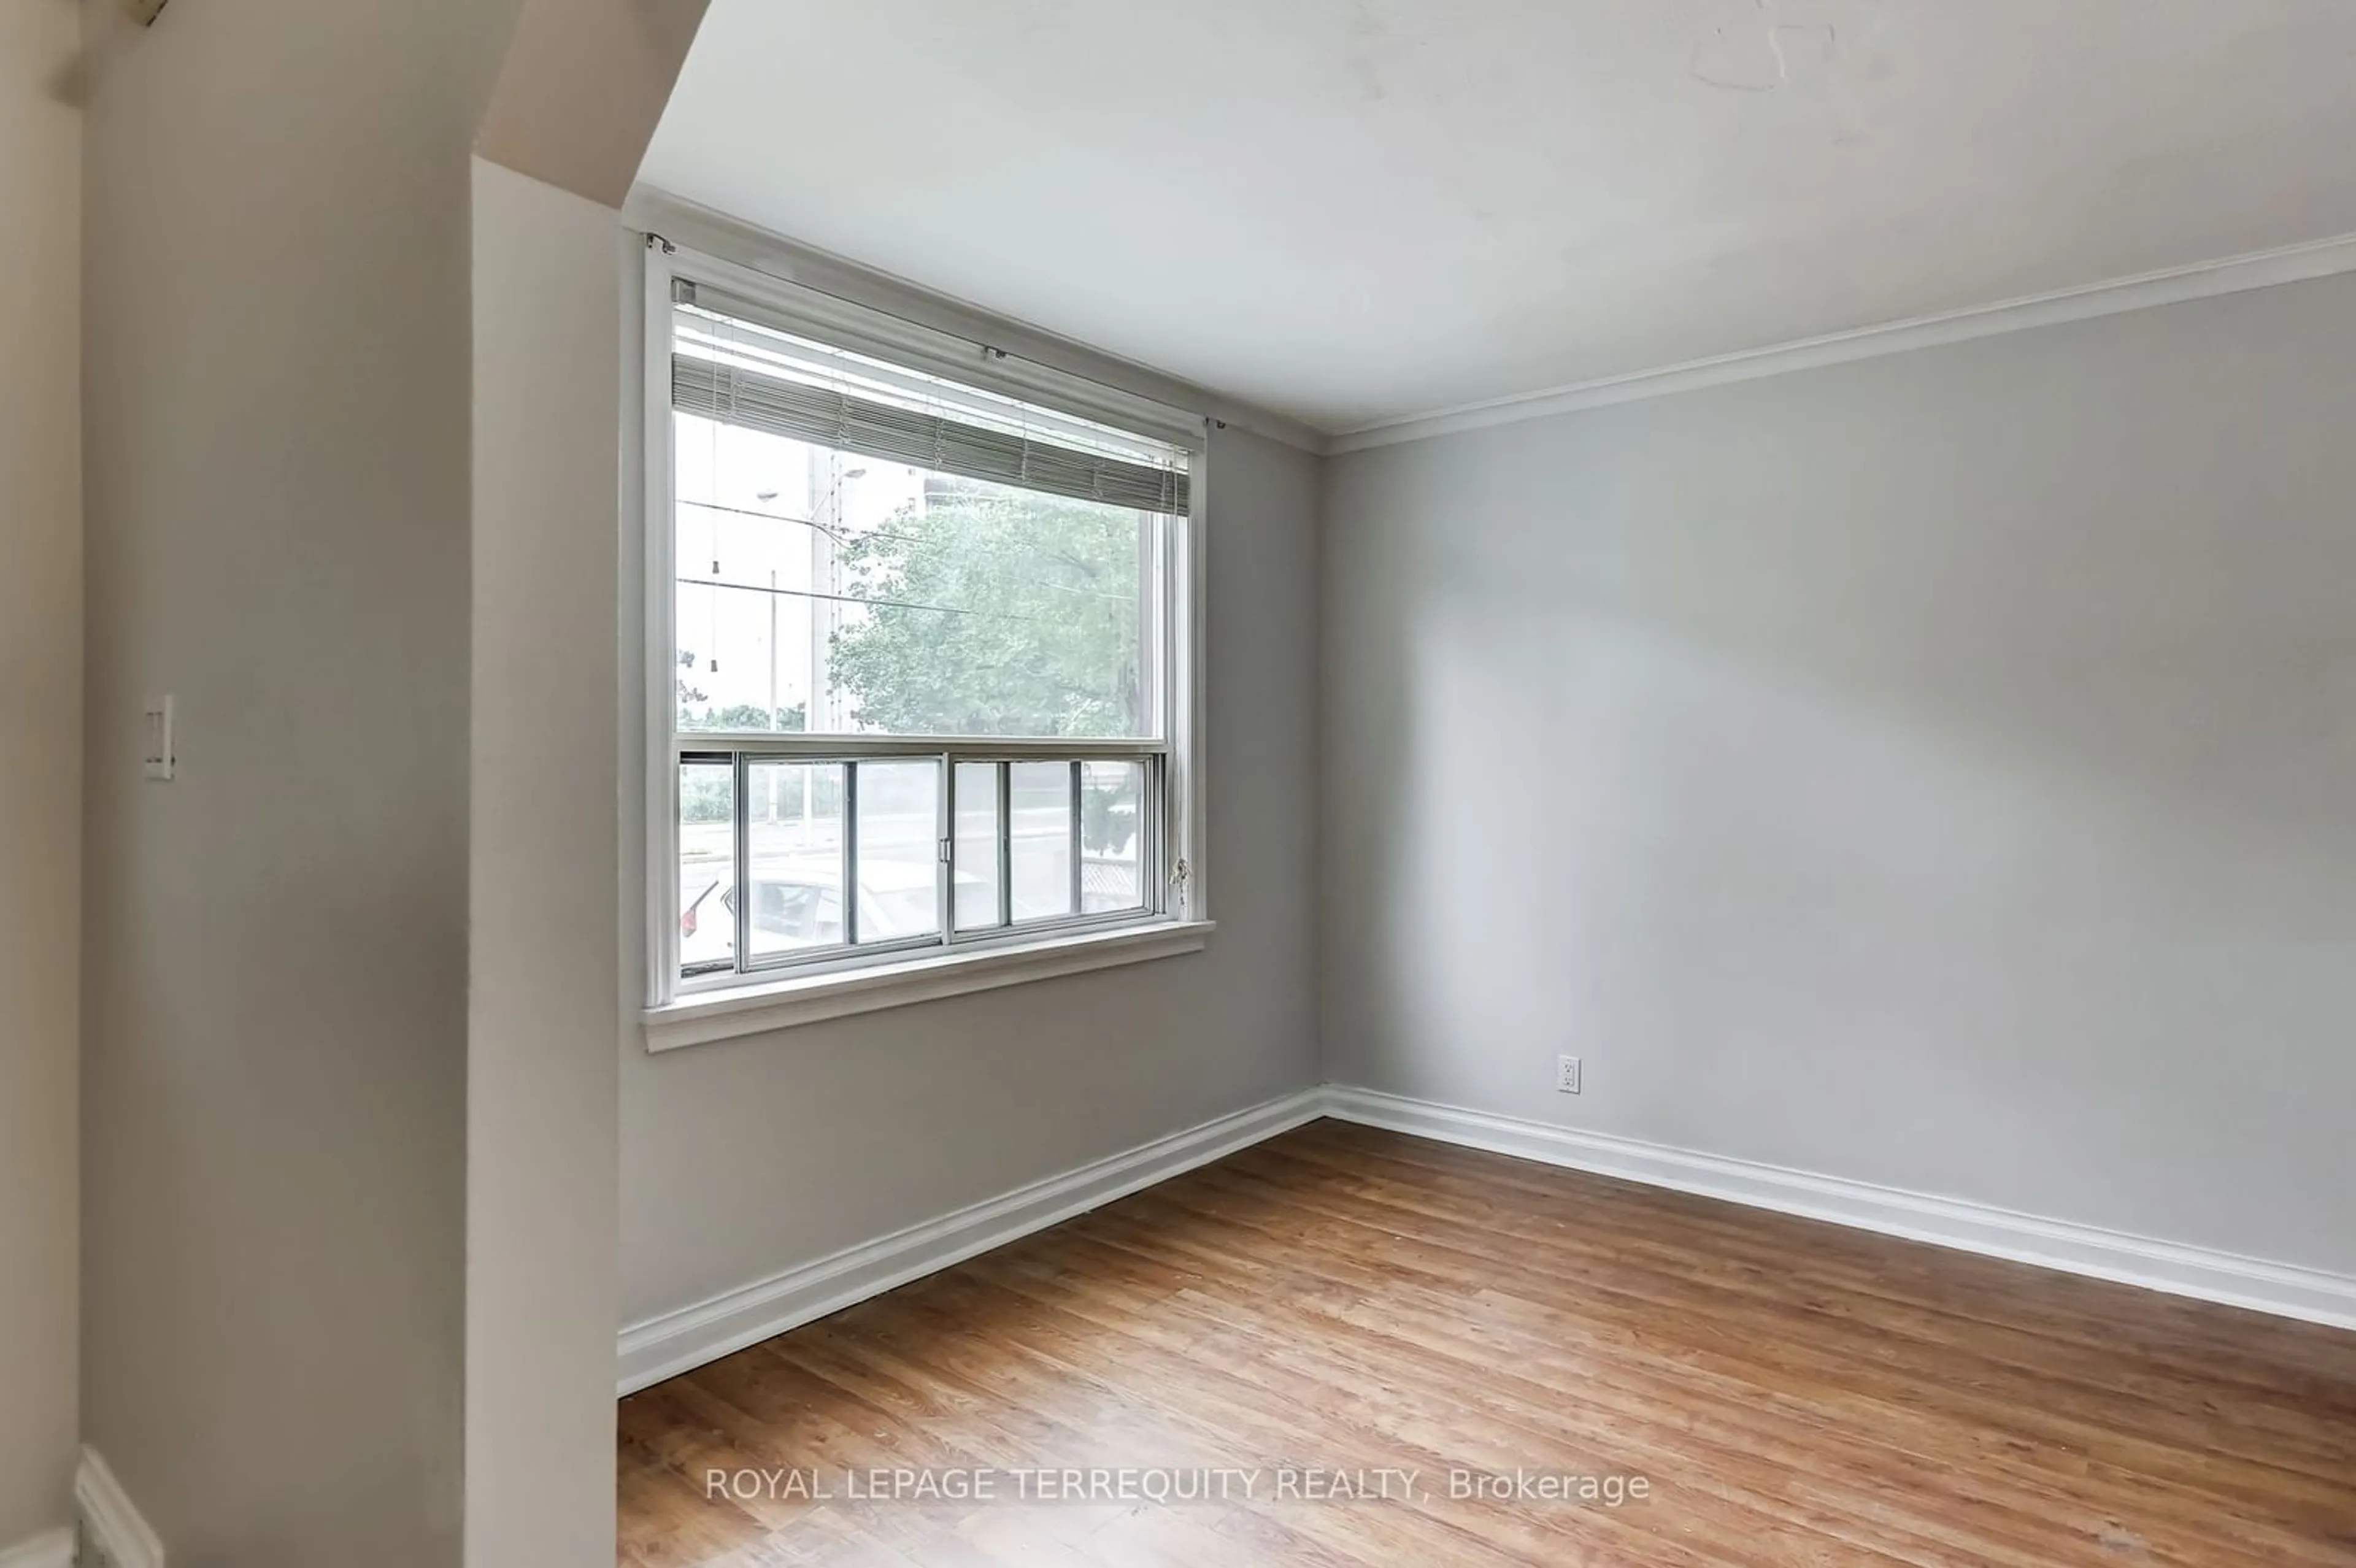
1566, 1075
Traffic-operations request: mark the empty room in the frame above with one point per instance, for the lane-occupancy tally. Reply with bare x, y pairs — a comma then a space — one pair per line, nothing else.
1037, 785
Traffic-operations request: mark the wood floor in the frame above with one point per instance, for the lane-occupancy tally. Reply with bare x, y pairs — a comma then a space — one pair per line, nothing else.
1345, 1300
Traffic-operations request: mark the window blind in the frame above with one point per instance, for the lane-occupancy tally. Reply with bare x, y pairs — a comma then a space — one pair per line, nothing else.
806, 397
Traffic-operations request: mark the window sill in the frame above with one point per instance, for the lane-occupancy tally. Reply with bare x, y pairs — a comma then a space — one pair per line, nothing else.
813, 998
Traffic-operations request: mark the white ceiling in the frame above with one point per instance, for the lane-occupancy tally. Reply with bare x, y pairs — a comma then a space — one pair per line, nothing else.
1354, 211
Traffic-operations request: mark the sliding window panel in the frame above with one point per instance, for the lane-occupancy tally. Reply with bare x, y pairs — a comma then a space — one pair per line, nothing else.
896, 858
974, 566
793, 814
1039, 840
752, 554
1112, 837
975, 869
972, 609
707, 863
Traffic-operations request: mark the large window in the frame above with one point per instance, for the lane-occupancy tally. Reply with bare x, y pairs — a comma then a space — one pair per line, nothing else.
921, 642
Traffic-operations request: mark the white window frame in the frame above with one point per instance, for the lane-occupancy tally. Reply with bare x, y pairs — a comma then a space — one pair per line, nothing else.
693, 1010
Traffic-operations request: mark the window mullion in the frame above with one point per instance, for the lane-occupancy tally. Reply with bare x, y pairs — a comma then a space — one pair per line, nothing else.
740, 791
1078, 836
945, 851
850, 854
1005, 844
1153, 840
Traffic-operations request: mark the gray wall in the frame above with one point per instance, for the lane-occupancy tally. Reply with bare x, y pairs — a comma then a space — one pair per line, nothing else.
744, 1158
41, 761
1935, 771
542, 1116
279, 379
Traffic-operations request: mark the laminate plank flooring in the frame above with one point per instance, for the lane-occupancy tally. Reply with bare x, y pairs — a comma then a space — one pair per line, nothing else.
1346, 1347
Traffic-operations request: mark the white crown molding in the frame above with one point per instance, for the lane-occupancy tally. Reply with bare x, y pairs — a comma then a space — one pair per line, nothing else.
681, 1341
2282, 1289
120, 1537
53, 1549
707, 230
702, 228
2205, 280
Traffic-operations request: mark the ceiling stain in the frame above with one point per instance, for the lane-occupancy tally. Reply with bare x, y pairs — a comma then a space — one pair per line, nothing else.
1810, 49
1803, 51
1367, 36
1735, 47
1761, 45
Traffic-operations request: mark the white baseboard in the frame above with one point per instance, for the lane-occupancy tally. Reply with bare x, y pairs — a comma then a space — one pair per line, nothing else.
54, 1549
680, 1341
2283, 1289
119, 1537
